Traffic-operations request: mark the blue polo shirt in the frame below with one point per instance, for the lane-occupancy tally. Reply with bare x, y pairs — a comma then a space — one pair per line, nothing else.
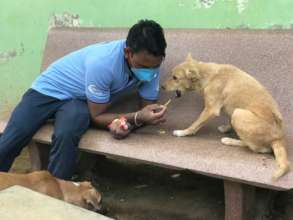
97, 73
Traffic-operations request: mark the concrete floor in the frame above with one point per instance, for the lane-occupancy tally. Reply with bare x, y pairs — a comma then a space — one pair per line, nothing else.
20, 203
135, 191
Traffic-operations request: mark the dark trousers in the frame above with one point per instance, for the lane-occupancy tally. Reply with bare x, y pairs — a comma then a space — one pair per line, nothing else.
72, 119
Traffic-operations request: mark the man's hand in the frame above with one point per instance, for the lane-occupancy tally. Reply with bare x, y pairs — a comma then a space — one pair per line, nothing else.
119, 128
152, 114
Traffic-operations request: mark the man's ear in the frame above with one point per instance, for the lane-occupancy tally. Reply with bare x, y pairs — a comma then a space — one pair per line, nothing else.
128, 53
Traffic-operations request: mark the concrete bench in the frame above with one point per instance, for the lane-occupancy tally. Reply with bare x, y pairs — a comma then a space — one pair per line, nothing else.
19, 203
267, 55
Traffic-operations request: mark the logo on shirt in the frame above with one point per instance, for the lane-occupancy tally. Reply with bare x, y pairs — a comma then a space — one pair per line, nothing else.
94, 90
158, 87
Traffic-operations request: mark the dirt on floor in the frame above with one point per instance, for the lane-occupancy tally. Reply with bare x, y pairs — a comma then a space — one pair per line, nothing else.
136, 191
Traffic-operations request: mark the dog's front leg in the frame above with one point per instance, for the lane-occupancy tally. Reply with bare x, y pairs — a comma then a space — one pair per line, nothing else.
207, 114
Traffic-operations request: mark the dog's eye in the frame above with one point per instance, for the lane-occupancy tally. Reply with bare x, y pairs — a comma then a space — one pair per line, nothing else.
174, 77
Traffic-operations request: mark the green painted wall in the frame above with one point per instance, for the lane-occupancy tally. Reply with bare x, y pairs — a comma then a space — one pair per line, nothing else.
24, 25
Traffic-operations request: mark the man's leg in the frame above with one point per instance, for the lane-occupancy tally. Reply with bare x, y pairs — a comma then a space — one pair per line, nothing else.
71, 122
33, 110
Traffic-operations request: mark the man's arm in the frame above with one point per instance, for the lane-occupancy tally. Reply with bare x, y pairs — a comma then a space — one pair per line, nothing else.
147, 114
101, 118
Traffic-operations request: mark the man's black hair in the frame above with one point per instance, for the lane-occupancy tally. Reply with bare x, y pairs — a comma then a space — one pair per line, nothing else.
147, 35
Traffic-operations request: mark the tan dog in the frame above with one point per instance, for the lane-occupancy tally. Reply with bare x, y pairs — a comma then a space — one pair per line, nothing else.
254, 114
82, 194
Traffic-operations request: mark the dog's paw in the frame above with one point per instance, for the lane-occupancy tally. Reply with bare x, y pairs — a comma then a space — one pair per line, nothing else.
180, 133
230, 141
226, 141
280, 172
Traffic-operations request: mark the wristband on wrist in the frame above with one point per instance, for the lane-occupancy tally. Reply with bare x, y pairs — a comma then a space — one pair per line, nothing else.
135, 120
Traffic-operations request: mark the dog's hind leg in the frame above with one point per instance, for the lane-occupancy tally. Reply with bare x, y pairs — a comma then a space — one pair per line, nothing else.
281, 158
261, 137
233, 142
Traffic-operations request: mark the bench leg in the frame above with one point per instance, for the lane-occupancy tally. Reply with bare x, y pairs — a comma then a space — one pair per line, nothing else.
38, 156
239, 201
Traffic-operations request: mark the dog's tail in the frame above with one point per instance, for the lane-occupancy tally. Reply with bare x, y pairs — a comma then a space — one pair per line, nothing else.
280, 153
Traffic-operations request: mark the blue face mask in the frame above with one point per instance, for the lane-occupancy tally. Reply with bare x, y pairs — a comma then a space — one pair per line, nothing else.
145, 74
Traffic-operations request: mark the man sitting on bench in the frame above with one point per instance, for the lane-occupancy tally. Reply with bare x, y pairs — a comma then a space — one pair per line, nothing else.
81, 86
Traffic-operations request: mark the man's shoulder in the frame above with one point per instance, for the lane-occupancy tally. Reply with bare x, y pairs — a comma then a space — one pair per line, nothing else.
107, 47
106, 55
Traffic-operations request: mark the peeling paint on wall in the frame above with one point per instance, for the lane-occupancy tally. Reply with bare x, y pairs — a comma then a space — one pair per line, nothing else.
207, 3
65, 19
180, 4
241, 5
198, 4
242, 26
7, 55
277, 26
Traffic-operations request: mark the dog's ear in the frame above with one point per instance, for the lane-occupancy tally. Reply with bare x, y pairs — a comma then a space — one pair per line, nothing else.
189, 57
193, 74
